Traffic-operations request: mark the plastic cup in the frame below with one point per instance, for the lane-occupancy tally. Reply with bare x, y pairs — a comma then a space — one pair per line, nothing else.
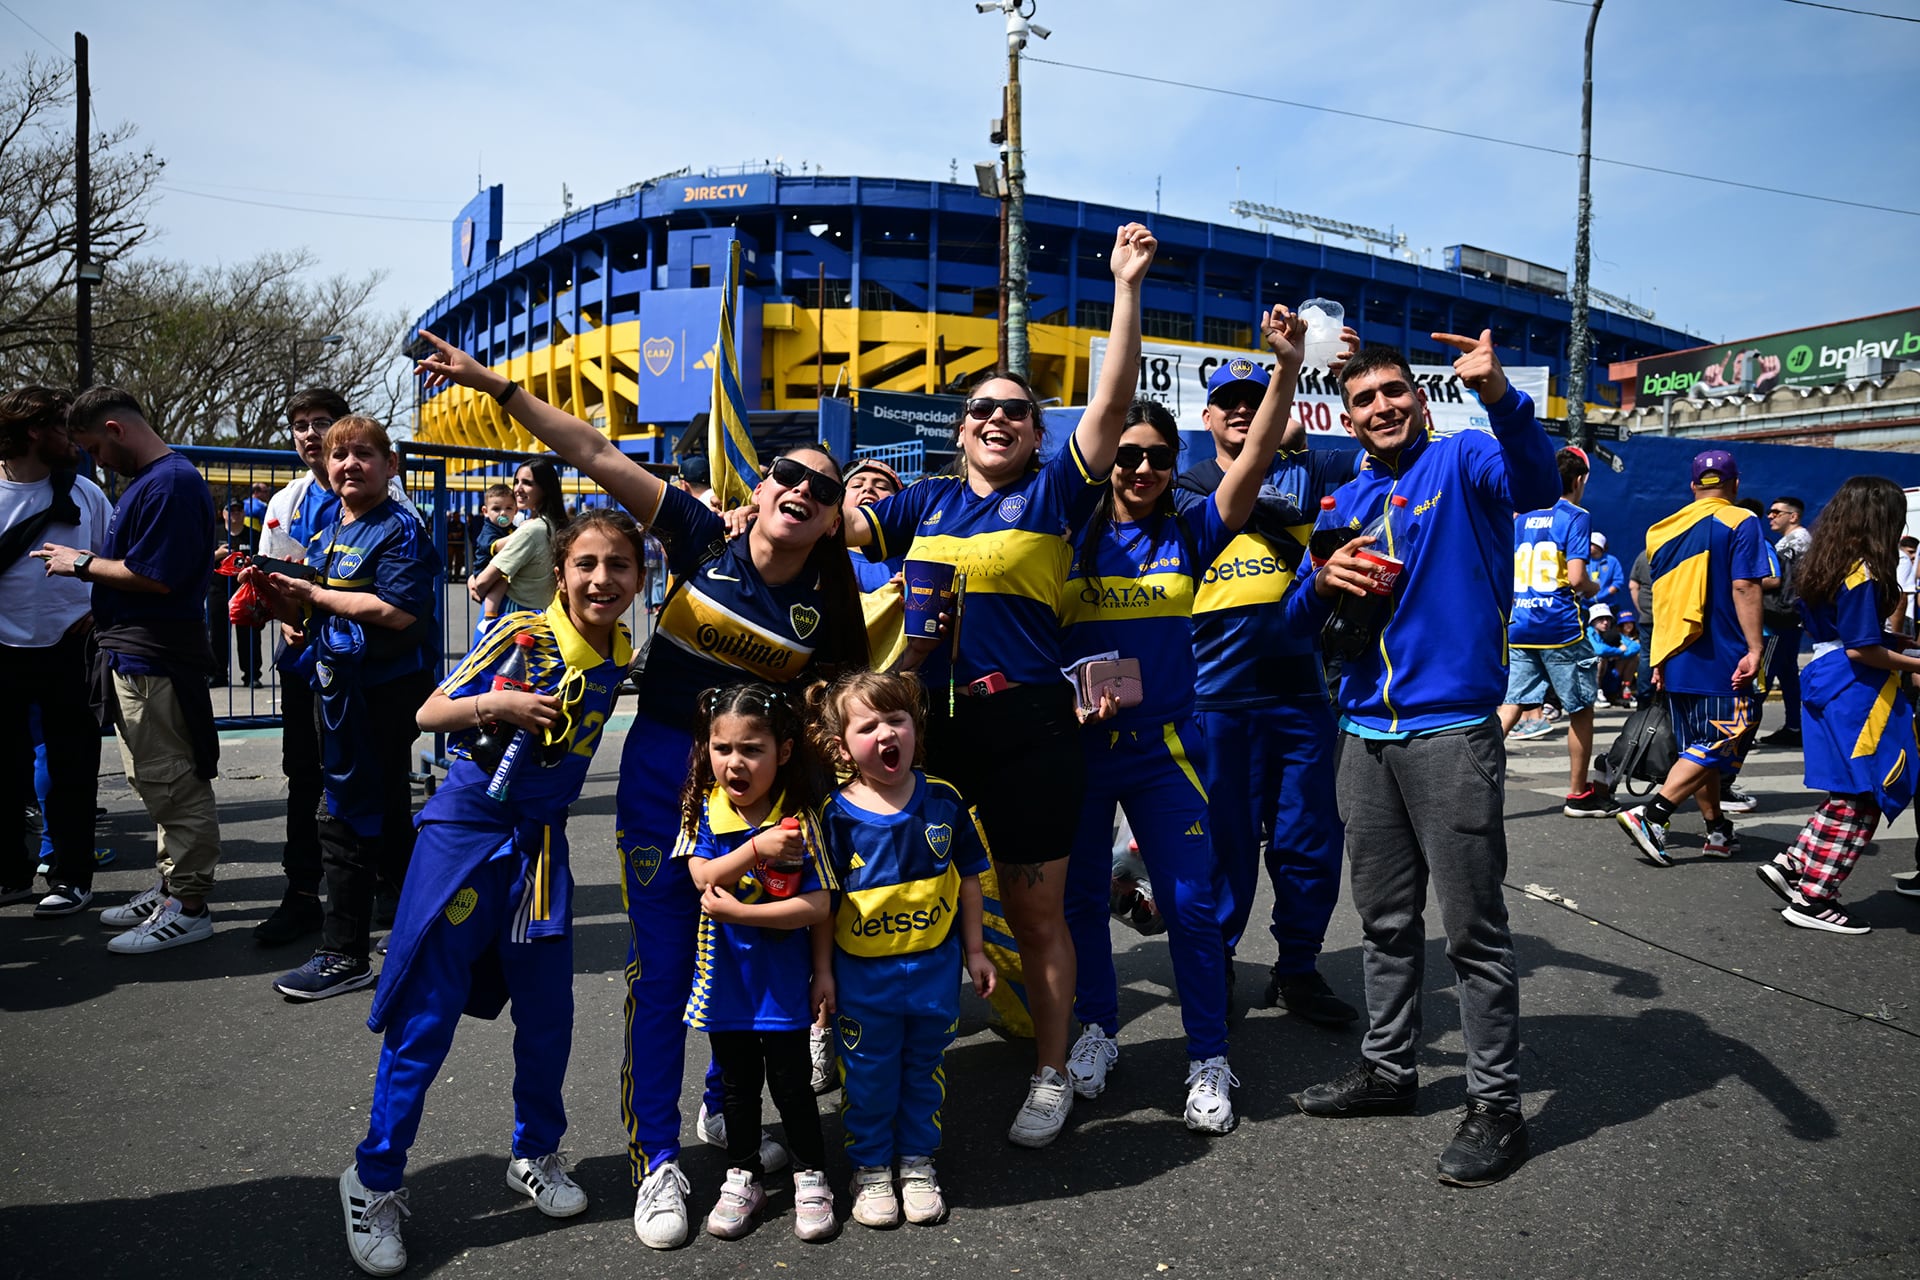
1324, 319
1382, 570
929, 591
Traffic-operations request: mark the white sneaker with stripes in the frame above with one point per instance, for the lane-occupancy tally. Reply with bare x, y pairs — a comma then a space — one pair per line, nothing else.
544, 1180
166, 928
137, 911
373, 1225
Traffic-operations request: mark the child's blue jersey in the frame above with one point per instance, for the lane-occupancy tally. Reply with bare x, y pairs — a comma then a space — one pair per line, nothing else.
1859, 726
900, 873
1014, 547
1546, 612
723, 624
1138, 601
387, 553
746, 977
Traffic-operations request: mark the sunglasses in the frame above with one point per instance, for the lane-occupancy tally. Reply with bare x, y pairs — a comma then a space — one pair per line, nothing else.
981, 408
1158, 456
789, 474
1227, 401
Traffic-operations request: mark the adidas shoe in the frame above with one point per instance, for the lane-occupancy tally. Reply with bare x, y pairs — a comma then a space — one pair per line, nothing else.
1734, 800
166, 928
544, 1180
1779, 876
373, 1225
1825, 916
1209, 1105
874, 1203
660, 1210
1650, 836
820, 1055
1044, 1113
137, 910
920, 1194
65, 900
1090, 1060
813, 1219
712, 1128
740, 1198
326, 973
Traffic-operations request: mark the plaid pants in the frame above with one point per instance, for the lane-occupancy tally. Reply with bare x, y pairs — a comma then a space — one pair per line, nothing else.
1831, 842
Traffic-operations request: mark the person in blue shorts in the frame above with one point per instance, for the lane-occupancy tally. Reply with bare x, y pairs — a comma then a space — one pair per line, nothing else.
777, 605
486, 914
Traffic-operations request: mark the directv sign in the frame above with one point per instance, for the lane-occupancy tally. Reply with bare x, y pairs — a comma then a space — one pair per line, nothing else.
476, 231
698, 192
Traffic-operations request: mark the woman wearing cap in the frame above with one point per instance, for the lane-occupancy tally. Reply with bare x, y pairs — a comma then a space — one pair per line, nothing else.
778, 605
1002, 726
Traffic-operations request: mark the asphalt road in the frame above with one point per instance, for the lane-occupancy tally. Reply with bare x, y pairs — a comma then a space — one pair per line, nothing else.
1711, 1093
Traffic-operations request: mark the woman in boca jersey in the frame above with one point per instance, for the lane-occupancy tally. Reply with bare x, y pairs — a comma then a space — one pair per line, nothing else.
776, 605
1008, 739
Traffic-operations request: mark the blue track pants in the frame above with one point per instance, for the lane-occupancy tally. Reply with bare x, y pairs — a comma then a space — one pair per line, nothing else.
896, 1018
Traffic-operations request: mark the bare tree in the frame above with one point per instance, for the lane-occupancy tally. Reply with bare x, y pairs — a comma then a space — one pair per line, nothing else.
37, 203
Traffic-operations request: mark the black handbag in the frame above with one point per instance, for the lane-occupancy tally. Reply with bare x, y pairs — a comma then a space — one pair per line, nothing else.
1644, 752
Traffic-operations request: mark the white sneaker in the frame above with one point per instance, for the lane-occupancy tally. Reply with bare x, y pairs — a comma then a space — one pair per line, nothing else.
1734, 800
373, 1225
920, 1191
1044, 1113
813, 1207
740, 1199
820, 1051
1091, 1058
660, 1210
1209, 1107
544, 1179
712, 1129
168, 927
874, 1204
138, 911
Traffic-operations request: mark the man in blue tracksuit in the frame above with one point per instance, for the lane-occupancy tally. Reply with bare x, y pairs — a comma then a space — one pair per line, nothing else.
1421, 767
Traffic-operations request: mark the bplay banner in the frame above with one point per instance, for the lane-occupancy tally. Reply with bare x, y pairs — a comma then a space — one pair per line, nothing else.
1797, 358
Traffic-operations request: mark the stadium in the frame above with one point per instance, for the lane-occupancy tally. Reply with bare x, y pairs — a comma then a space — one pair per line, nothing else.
858, 284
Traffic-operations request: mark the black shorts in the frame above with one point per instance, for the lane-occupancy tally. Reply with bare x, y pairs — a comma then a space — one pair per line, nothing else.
1016, 758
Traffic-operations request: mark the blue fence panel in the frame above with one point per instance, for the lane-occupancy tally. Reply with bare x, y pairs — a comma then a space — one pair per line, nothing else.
908, 459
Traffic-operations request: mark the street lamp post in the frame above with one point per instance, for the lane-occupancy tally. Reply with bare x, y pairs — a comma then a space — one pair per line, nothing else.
1579, 344
1019, 26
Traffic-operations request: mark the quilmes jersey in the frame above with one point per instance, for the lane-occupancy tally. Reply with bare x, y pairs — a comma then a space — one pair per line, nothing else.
1138, 601
747, 977
1546, 613
1696, 555
723, 623
387, 553
1239, 638
899, 873
1013, 545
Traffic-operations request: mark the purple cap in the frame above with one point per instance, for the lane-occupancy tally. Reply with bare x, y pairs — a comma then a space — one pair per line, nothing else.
1714, 468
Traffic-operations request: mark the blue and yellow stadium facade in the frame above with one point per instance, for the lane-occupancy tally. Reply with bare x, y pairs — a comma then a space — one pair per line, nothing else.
612, 312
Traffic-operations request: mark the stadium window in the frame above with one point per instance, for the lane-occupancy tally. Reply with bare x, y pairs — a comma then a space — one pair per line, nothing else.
875, 296
1226, 333
1094, 315
1155, 323
702, 276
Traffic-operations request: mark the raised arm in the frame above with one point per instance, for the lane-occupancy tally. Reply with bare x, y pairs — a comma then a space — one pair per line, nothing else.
1533, 477
632, 485
1287, 335
1098, 434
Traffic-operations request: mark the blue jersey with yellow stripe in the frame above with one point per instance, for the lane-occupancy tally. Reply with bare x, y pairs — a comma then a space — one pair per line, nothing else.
899, 873
1134, 593
1858, 723
387, 553
1696, 556
723, 623
747, 977
1013, 545
1546, 612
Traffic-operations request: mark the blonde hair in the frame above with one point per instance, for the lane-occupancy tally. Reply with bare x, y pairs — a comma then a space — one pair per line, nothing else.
356, 428
884, 691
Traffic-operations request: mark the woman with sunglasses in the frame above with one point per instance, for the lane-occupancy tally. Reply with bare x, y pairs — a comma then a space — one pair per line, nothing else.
1131, 593
777, 605
1001, 726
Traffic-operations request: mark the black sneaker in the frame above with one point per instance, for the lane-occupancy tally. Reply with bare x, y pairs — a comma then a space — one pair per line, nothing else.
1782, 737
1907, 883
298, 915
63, 900
1358, 1093
1650, 836
1486, 1147
1596, 803
327, 974
1307, 996
10, 895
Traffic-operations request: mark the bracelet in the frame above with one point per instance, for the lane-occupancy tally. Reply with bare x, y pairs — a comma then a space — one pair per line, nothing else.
478, 719
501, 398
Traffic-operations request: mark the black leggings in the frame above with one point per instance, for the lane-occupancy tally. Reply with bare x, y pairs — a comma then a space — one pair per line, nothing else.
780, 1059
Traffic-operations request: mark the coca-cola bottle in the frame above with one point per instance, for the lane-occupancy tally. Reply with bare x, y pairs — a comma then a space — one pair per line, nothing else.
491, 742
1357, 620
1325, 541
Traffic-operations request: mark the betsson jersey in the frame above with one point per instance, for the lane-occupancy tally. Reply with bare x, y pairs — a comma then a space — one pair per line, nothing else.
1014, 547
1138, 601
900, 873
1546, 612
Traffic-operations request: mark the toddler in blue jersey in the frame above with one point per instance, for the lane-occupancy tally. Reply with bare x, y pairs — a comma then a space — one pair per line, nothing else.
485, 915
907, 852
752, 852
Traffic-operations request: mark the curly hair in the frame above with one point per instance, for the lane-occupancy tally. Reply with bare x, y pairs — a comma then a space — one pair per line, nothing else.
884, 691
799, 784
1861, 525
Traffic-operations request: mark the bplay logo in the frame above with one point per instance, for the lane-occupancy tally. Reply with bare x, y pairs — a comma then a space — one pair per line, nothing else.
1906, 344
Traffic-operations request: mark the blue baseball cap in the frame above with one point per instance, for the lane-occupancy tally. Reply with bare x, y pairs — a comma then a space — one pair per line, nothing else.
1240, 369
1714, 468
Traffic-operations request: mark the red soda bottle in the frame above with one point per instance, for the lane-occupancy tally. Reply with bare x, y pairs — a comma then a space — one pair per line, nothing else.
782, 879
1325, 541
1357, 620
490, 744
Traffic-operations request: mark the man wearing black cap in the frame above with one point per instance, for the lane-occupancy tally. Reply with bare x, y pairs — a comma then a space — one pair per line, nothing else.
1707, 561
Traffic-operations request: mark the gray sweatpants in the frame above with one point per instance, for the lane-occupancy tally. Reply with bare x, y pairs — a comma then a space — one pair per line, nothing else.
1432, 809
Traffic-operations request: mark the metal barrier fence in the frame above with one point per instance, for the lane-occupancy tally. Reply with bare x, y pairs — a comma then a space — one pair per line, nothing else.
908, 460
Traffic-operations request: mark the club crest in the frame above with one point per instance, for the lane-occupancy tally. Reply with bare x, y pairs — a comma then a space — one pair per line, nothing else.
940, 840
849, 1033
1240, 368
658, 353
462, 905
644, 861
350, 561
1011, 507
804, 618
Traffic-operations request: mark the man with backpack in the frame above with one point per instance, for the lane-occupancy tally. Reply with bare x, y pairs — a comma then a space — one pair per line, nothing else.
1778, 613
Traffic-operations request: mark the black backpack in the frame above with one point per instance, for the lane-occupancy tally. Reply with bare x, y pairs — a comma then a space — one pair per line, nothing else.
1644, 752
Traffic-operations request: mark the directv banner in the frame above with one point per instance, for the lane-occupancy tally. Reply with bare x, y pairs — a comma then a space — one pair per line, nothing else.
1177, 376
1798, 358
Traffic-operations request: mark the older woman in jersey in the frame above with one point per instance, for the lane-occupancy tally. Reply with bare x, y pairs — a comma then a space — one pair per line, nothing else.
777, 605
1010, 742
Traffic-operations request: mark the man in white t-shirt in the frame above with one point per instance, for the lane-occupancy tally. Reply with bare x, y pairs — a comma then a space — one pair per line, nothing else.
43, 632
1909, 574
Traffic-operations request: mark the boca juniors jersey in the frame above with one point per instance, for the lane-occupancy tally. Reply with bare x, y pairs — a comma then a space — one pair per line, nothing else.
900, 873
387, 553
1546, 613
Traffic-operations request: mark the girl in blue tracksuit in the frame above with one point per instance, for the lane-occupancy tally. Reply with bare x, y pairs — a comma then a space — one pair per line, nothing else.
744, 815
1131, 593
908, 853
485, 916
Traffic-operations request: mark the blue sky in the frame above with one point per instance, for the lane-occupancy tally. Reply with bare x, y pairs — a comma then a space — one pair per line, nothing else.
375, 108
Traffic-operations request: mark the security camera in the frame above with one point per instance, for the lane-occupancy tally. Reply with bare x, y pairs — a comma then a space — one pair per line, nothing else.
1037, 29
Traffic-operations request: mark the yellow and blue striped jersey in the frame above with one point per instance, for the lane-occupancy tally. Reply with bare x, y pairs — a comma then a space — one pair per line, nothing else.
900, 873
1696, 554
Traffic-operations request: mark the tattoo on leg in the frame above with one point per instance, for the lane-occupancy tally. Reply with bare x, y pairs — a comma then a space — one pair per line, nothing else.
1028, 873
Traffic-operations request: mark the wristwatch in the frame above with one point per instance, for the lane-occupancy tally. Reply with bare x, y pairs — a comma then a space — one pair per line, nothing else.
81, 563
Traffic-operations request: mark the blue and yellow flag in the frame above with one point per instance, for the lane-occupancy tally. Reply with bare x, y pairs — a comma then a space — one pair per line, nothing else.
730, 455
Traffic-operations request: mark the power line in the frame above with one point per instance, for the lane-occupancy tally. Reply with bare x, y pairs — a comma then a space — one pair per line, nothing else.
331, 213
439, 202
1865, 13
37, 31
1462, 133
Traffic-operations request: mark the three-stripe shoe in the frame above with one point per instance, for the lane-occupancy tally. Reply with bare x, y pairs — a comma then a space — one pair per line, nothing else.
373, 1225
328, 973
138, 910
170, 926
544, 1180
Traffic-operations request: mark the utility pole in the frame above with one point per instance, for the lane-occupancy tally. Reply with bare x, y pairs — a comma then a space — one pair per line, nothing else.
1014, 327
1578, 342
84, 272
